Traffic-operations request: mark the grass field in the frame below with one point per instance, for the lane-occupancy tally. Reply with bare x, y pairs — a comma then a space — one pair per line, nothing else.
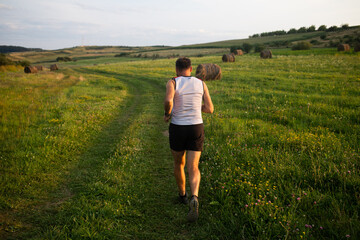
84, 151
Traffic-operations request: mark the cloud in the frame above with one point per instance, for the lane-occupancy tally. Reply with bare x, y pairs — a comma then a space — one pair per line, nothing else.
12, 26
87, 7
106, 8
6, 7
55, 24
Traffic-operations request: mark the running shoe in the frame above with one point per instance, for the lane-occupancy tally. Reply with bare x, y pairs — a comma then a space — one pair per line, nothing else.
184, 199
193, 209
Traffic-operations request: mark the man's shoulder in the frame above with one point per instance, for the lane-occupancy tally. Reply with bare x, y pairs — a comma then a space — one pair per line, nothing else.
198, 79
171, 82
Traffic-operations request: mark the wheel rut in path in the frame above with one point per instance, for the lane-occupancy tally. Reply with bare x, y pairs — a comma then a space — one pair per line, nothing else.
160, 215
134, 141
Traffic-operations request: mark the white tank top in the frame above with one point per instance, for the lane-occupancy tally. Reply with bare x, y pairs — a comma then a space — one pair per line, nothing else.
188, 97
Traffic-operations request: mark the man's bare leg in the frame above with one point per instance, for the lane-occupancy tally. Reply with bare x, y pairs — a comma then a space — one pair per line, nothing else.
179, 172
193, 158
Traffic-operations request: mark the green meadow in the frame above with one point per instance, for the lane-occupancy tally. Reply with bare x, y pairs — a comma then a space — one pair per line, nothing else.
85, 154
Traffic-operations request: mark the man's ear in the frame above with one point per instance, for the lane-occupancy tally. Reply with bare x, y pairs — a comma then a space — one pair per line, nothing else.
191, 69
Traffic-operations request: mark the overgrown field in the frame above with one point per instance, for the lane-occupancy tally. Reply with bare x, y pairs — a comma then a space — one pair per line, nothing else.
84, 152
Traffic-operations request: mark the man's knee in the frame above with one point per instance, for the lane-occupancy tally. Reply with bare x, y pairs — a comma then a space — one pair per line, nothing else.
179, 164
193, 168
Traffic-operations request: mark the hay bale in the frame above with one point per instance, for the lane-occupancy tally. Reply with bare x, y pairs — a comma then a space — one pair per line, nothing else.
54, 67
343, 47
228, 57
266, 54
30, 69
238, 52
39, 68
208, 71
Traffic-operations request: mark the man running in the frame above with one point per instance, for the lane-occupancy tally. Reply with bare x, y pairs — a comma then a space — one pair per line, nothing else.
186, 97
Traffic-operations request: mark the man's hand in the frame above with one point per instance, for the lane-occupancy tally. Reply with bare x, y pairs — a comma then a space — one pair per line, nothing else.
167, 118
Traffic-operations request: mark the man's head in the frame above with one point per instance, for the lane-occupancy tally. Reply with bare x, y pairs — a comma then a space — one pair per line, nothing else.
183, 66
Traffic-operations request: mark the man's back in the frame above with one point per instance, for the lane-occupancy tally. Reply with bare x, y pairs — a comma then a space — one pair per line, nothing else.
189, 92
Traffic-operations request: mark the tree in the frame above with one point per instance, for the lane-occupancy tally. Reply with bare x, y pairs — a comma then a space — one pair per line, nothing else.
247, 47
332, 29
293, 30
302, 46
302, 30
322, 28
311, 28
345, 26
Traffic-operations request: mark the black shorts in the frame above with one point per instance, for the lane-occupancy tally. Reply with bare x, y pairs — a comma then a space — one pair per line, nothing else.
186, 137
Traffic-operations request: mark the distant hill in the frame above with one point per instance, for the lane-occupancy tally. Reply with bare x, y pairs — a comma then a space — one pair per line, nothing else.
10, 49
317, 38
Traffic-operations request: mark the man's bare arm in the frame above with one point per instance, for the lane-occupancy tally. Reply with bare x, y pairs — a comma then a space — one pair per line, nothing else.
169, 99
208, 106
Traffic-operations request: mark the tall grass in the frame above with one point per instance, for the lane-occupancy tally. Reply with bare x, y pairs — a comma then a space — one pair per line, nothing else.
282, 150
281, 157
46, 121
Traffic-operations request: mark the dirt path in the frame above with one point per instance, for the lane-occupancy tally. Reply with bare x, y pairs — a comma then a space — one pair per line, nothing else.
122, 187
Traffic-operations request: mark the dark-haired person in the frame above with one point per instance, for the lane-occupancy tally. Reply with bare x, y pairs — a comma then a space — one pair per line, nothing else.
186, 98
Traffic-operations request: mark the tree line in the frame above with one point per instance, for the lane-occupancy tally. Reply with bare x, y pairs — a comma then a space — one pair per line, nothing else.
312, 28
9, 49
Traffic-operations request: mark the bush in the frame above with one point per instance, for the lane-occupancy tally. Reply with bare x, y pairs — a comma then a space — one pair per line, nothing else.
247, 47
348, 39
259, 48
233, 49
283, 43
4, 60
357, 47
123, 54
302, 46
334, 43
24, 63
314, 42
63, 59
323, 36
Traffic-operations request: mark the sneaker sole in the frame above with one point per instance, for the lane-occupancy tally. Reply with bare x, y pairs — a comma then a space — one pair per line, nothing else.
193, 211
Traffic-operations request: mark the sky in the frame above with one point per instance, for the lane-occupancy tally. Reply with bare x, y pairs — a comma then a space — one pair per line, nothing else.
51, 24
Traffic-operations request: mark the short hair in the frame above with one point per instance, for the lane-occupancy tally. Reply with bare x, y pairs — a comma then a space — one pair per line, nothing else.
183, 63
